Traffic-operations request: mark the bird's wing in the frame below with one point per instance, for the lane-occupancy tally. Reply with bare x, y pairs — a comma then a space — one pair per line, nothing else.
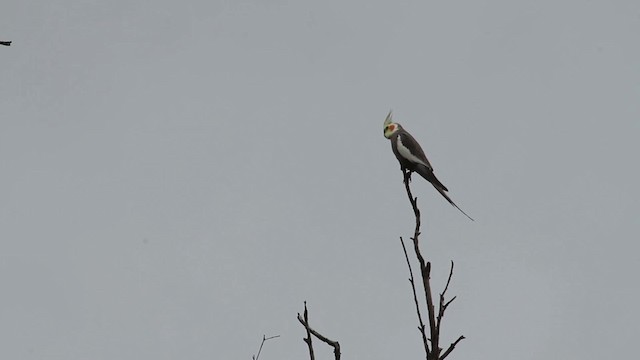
409, 149
428, 175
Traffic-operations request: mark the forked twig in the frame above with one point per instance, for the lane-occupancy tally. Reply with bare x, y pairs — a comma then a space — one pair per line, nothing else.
305, 322
264, 339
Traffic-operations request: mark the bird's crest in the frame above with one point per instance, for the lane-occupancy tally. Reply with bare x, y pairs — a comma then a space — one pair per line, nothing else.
388, 120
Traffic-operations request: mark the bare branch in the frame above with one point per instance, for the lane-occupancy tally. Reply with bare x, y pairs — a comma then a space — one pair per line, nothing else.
5, 43
432, 353
415, 299
308, 338
305, 322
425, 269
264, 338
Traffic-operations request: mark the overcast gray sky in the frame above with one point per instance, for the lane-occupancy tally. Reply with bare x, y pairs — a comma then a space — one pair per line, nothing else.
178, 177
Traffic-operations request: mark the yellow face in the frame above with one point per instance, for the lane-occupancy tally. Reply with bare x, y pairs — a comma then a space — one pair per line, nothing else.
390, 129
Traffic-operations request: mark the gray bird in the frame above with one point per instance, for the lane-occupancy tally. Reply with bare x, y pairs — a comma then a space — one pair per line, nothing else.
412, 158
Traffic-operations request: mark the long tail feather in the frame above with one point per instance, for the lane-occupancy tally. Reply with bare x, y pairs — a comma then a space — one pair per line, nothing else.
430, 177
451, 201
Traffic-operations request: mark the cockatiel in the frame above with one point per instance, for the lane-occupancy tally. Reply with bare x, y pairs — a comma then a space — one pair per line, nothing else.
412, 158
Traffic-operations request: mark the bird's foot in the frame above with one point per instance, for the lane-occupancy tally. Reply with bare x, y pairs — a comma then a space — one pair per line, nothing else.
407, 175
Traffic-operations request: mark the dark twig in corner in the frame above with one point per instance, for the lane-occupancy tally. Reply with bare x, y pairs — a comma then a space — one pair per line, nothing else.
5, 43
433, 352
305, 322
264, 338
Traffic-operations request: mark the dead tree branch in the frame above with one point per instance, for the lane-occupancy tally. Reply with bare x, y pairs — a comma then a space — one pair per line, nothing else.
5, 43
307, 340
304, 320
264, 339
421, 327
434, 351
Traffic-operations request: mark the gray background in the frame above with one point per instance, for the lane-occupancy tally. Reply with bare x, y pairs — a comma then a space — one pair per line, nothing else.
178, 177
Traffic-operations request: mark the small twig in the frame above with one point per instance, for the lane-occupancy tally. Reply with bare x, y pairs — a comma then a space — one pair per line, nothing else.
5, 43
264, 338
415, 299
449, 279
443, 306
449, 302
451, 347
305, 322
